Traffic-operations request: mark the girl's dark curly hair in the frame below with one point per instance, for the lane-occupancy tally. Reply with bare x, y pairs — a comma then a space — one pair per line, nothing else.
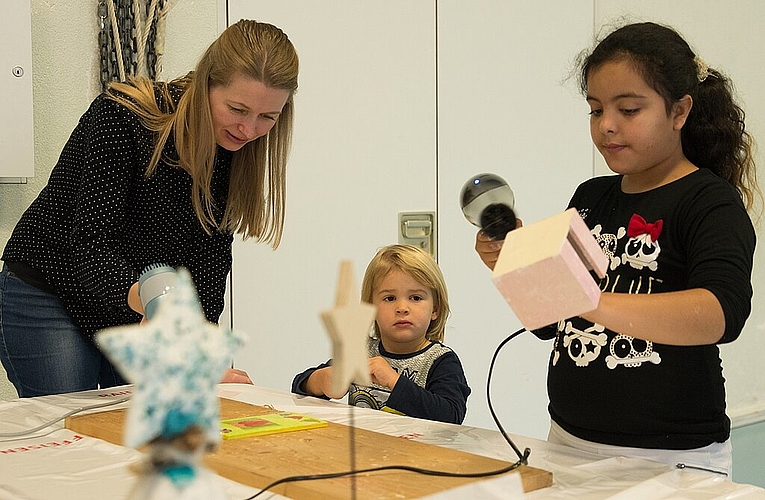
714, 136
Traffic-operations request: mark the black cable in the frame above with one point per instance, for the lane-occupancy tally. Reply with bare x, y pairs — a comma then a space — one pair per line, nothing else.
426, 472
523, 457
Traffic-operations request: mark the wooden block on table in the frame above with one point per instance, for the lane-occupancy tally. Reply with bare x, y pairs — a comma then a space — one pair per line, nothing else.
258, 461
543, 270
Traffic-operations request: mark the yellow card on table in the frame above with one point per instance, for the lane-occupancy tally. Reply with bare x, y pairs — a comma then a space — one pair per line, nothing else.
272, 423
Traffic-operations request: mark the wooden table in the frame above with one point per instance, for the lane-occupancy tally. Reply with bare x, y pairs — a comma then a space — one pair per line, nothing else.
259, 461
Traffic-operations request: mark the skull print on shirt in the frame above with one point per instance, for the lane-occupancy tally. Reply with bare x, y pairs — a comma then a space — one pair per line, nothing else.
636, 246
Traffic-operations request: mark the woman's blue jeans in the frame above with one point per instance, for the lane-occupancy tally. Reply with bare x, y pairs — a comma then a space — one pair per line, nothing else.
41, 349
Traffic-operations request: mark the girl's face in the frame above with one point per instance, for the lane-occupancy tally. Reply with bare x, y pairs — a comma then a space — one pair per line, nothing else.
630, 127
244, 110
404, 312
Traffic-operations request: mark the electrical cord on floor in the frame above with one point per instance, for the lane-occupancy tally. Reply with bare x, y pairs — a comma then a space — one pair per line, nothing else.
58, 419
522, 456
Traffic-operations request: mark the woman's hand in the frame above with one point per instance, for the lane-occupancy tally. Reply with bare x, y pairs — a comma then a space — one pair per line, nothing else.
134, 300
234, 376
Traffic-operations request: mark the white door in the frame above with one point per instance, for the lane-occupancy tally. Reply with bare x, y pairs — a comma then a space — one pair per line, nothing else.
364, 150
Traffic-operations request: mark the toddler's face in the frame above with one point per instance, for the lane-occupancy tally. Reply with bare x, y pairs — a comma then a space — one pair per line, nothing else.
404, 311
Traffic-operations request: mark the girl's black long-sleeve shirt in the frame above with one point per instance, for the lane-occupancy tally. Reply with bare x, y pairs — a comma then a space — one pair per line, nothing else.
615, 389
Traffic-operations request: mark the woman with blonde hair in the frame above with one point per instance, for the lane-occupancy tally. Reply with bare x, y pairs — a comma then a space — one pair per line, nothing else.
154, 172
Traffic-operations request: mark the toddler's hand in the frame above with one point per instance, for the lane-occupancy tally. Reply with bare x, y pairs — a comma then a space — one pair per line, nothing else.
382, 373
320, 383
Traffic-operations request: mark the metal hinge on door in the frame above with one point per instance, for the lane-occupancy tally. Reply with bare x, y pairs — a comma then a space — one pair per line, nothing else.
419, 229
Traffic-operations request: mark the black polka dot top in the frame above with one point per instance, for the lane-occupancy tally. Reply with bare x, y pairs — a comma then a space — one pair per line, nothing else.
99, 221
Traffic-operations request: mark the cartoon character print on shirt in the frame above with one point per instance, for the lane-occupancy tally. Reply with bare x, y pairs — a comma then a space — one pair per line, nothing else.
642, 248
584, 345
641, 251
608, 243
375, 396
631, 352
366, 397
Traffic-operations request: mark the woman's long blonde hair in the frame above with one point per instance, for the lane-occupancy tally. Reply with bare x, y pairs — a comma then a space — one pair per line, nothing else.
257, 184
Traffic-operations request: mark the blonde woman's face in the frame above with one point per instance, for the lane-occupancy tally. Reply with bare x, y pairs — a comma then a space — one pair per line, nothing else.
244, 110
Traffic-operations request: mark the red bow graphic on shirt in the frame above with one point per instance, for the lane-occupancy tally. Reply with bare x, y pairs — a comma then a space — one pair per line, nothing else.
638, 226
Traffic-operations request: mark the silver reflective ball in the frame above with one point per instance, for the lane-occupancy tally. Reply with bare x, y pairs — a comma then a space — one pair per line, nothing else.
483, 190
